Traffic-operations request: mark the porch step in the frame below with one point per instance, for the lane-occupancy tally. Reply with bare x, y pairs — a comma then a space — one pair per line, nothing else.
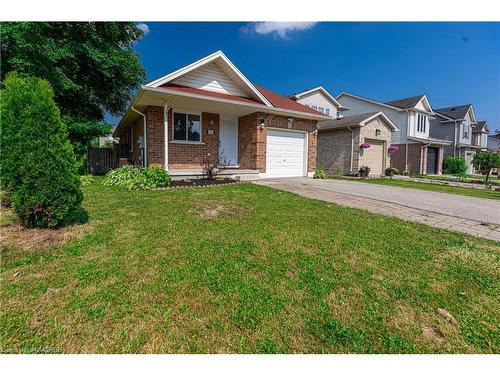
236, 173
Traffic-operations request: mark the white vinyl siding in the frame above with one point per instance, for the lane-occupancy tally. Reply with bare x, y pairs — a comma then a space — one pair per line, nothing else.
210, 78
319, 102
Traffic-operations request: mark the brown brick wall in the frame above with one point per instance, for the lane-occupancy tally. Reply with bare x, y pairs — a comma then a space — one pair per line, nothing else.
334, 149
251, 140
155, 136
414, 162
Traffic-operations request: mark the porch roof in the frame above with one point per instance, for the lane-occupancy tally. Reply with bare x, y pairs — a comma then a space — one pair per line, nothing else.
187, 98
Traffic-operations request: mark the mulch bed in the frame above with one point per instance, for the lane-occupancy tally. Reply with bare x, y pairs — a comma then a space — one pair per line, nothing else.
200, 182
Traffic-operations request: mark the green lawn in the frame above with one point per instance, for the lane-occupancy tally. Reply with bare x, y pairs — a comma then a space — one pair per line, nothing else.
245, 269
480, 193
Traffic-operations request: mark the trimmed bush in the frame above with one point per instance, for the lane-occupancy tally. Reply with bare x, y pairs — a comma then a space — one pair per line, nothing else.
134, 178
454, 165
37, 160
319, 172
391, 171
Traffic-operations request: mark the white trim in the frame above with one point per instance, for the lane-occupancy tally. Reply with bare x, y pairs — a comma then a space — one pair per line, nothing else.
206, 60
186, 112
322, 90
278, 110
384, 116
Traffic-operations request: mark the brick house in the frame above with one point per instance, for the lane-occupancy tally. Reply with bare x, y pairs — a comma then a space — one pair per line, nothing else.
210, 107
418, 151
341, 141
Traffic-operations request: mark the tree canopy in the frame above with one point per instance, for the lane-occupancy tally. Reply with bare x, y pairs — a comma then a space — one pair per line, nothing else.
91, 66
486, 160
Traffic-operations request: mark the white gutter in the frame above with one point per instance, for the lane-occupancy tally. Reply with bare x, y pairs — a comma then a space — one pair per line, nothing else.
352, 149
145, 136
407, 135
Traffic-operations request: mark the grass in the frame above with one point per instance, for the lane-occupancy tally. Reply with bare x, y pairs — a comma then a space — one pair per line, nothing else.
480, 193
247, 269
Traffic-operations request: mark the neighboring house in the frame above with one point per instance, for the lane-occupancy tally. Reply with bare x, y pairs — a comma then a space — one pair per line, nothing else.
494, 142
208, 108
458, 125
320, 100
107, 140
417, 151
341, 141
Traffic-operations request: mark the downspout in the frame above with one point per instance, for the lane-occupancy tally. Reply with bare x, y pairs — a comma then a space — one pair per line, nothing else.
145, 136
352, 149
165, 127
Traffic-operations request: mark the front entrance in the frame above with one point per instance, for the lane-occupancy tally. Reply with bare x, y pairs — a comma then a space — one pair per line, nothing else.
432, 160
228, 141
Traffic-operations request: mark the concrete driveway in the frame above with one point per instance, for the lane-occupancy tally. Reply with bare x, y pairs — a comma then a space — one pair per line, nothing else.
477, 216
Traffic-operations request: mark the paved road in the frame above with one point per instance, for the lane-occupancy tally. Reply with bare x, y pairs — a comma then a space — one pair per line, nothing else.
471, 208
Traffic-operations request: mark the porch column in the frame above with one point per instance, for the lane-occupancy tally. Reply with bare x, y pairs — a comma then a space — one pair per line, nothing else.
165, 133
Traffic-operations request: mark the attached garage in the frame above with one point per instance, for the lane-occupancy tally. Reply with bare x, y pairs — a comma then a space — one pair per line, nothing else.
350, 143
285, 153
374, 157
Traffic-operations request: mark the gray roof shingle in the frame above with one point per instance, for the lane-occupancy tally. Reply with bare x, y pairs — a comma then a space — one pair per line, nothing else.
456, 112
406, 102
354, 120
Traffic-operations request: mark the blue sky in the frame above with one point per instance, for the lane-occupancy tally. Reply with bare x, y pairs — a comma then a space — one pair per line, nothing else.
452, 63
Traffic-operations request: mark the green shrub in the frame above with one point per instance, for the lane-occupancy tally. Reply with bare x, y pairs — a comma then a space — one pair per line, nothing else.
319, 172
134, 178
455, 166
37, 160
391, 171
87, 179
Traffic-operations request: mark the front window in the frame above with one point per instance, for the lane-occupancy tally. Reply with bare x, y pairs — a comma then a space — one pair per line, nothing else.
327, 111
314, 107
187, 127
465, 134
421, 123
321, 109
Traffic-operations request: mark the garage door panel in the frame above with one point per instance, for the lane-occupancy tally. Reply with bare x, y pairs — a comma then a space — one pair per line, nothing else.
373, 158
284, 153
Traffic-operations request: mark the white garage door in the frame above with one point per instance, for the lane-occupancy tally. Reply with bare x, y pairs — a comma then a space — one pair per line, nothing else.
285, 153
373, 158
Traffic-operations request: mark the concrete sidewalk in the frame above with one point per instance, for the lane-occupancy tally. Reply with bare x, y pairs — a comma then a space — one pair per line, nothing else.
407, 204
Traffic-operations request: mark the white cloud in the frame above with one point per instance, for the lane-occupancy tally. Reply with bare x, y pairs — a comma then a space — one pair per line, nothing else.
144, 27
282, 29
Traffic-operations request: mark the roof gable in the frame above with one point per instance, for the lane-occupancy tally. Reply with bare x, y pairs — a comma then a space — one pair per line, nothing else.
418, 102
214, 73
457, 112
322, 91
359, 120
